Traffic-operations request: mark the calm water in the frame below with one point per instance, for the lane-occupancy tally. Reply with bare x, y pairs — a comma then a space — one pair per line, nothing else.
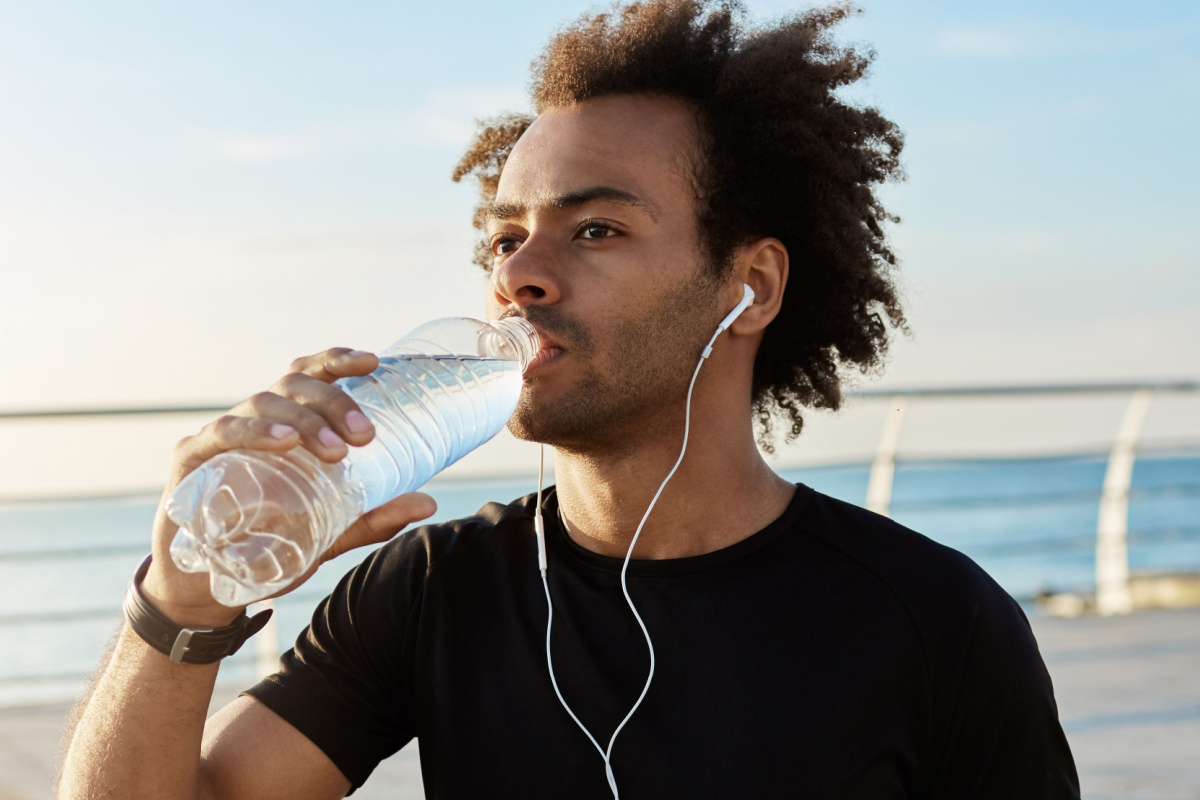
1031, 524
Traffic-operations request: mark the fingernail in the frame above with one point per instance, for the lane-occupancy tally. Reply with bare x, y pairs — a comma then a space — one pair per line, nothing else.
357, 423
357, 353
328, 438
281, 431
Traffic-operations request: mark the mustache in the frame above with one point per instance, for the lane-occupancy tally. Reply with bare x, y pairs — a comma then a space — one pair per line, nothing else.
565, 329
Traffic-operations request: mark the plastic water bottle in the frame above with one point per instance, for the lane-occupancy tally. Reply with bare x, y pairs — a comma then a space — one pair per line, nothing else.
256, 520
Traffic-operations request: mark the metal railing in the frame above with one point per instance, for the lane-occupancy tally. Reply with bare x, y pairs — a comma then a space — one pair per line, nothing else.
1111, 540
116, 412
1112, 530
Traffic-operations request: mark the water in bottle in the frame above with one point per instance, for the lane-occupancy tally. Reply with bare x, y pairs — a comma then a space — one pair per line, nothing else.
256, 521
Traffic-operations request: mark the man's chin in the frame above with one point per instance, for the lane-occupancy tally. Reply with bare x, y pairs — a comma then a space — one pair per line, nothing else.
533, 430
555, 428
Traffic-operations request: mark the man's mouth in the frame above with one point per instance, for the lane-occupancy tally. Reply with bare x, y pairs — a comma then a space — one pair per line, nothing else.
544, 356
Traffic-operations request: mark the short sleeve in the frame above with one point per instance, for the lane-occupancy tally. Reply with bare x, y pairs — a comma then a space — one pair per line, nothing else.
1001, 733
346, 683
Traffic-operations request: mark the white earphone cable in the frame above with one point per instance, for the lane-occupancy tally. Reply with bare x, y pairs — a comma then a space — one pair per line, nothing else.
540, 530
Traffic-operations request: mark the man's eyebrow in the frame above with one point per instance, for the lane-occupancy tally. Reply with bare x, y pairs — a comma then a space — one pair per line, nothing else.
592, 194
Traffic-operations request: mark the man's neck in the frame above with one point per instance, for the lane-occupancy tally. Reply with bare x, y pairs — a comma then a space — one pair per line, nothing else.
722, 493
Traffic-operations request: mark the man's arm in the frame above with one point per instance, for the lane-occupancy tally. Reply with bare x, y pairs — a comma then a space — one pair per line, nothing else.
141, 732
1002, 738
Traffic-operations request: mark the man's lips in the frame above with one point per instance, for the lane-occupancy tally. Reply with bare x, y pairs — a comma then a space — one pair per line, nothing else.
549, 351
544, 356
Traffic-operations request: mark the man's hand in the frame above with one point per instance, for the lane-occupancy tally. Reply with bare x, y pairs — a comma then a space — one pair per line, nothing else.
139, 734
301, 409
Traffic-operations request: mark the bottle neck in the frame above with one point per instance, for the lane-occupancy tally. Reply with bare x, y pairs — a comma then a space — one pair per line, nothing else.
521, 338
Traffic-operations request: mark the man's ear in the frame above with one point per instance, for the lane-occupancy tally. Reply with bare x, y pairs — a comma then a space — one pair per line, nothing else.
763, 264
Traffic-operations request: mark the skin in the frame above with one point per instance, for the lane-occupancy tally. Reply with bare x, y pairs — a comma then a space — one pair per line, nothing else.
614, 269
142, 731
595, 241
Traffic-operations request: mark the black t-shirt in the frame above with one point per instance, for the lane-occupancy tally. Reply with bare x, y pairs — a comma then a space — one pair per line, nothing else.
833, 654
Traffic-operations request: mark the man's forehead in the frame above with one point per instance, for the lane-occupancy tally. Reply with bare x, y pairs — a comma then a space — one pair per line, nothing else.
624, 149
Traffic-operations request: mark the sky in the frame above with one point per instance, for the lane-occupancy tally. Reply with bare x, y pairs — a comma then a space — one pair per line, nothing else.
193, 194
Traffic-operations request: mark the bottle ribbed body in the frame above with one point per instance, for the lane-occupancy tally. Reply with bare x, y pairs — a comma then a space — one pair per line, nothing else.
256, 521
428, 412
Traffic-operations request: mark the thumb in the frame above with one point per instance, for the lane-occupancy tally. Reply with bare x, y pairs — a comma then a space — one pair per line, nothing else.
381, 524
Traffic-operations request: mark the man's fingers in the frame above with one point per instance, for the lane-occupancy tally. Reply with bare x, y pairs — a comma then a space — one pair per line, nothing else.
339, 410
305, 410
231, 432
337, 362
316, 430
384, 522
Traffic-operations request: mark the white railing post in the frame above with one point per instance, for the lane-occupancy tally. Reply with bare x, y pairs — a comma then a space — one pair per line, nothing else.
1112, 547
266, 643
883, 468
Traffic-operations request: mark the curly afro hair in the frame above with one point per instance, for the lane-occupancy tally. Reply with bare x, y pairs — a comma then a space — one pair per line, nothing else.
782, 156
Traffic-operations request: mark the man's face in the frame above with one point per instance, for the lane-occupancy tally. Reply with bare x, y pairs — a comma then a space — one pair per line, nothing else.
594, 240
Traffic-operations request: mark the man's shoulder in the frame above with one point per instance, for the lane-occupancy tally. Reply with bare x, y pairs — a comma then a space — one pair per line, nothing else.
954, 607
932, 581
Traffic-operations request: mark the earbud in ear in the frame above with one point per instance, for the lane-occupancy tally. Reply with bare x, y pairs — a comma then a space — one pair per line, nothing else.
746, 301
743, 304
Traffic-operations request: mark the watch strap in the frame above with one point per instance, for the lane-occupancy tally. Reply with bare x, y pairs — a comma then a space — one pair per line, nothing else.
185, 645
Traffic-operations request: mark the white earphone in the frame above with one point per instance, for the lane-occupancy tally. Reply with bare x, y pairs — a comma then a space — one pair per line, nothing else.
540, 529
746, 301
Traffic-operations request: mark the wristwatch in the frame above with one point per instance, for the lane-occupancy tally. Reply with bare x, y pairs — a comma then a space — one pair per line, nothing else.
185, 645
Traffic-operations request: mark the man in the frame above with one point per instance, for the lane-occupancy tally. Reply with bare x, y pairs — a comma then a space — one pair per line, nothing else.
802, 646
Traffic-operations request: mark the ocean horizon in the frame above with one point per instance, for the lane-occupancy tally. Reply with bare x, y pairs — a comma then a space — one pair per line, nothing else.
1030, 523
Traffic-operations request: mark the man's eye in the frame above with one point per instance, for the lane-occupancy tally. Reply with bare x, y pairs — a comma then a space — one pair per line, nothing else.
596, 230
504, 246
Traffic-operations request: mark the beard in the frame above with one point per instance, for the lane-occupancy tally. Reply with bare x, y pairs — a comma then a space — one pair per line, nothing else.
635, 378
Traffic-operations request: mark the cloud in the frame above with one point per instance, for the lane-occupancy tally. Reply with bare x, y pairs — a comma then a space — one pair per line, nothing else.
257, 149
972, 134
977, 42
448, 117
1041, 38
444, 118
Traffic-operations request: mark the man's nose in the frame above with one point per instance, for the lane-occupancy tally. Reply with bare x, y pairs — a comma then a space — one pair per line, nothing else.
525, 278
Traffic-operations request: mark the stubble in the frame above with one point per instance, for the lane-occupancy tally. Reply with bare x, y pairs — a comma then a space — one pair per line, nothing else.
637, 372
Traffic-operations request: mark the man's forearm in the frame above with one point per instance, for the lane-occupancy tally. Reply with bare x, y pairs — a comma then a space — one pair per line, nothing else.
138, 734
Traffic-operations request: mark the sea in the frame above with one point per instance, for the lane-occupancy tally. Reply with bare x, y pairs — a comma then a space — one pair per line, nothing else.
1031, 523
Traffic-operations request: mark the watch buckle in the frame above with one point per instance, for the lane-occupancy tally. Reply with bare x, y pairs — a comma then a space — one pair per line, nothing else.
182, 644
